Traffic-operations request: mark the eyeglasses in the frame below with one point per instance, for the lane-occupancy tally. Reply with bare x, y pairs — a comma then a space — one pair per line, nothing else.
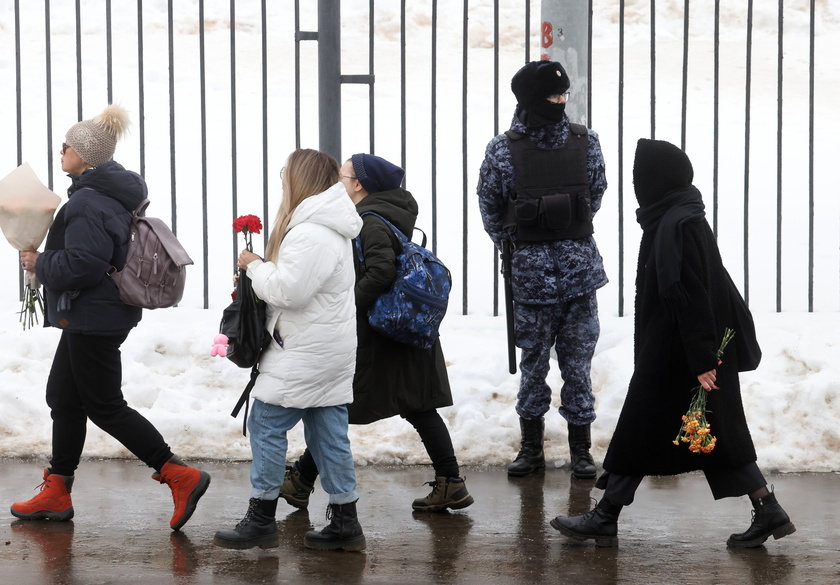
559, 97
349, 177
281, 172
64, 147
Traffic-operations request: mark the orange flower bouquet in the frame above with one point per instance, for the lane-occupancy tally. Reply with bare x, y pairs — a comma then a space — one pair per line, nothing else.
696, 429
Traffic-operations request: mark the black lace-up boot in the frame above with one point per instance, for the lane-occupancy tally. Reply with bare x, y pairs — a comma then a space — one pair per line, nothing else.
600, 524
343, 531
257, 528
768, 519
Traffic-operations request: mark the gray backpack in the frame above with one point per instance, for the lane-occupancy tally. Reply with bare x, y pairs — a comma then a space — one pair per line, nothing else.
155, 265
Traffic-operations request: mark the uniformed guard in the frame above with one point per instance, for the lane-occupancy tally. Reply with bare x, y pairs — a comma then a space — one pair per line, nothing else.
539, 187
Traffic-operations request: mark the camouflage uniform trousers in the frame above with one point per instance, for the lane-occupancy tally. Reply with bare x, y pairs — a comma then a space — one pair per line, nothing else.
572, 328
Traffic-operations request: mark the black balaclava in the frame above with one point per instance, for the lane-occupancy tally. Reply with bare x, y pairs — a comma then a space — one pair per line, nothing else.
532, 84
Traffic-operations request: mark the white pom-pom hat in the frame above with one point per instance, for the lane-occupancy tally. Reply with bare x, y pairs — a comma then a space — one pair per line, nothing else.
95, 140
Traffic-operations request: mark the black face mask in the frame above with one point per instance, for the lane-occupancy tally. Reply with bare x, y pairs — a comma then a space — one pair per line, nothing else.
543, 113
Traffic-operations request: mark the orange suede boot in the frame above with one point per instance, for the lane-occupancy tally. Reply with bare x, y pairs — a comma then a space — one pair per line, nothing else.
52, 503
187, 485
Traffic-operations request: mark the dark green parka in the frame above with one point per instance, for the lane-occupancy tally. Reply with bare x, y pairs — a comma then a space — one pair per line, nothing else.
391, 377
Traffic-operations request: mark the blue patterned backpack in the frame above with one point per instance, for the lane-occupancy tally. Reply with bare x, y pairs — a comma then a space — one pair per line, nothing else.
411, 310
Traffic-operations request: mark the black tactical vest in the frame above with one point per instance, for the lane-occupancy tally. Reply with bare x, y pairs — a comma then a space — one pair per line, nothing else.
551, 198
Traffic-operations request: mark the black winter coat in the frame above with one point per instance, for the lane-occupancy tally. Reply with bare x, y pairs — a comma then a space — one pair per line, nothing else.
673, 345
88, 236
391, 377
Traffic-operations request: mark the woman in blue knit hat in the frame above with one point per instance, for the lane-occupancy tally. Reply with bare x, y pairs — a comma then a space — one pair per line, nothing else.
391, 378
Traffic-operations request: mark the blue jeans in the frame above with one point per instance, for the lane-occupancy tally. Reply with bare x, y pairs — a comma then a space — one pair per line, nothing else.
325, 431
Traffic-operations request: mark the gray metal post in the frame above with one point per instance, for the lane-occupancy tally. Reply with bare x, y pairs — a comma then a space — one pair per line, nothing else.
329, 77
566, 37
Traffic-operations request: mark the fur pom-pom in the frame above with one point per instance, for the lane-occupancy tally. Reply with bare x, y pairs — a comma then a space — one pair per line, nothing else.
114, 120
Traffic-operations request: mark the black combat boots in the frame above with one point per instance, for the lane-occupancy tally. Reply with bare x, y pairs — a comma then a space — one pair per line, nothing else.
531, 457
769, 519
257, 528
343, 531
580, 441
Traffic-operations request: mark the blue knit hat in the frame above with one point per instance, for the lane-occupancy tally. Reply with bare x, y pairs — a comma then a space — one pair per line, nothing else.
376, 174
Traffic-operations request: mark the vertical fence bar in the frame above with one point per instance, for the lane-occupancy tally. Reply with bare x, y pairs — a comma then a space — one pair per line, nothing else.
109, 55
589, 66
433, 129
202, 74
779, 99
329, 77
811, 160
747, 110
18, 114
78, 59
142, 100
527, 30
170, 19
716, 119
684, 76
464, 104
297, 74
48, 64
371, 93
620, 130
233, 164
403, 127
264, 49
496, 132
652, 69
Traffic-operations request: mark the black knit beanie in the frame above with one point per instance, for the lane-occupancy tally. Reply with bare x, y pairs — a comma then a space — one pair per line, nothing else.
659, 168
537, 80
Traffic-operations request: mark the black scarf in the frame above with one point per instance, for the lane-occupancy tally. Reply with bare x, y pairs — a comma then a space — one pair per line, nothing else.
665, 219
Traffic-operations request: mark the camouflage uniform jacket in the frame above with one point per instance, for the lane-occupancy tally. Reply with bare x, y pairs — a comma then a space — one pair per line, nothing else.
543, 273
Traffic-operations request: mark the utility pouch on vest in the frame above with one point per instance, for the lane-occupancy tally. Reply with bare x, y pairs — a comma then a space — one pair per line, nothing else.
551, 198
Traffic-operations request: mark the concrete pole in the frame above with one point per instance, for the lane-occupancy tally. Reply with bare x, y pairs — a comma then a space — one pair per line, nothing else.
329, 77
566, 37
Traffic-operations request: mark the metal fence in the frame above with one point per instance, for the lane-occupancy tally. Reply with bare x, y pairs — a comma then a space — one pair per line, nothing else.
222, 90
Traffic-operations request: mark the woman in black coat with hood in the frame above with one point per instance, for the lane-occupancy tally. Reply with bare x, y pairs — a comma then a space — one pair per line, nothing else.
87, 241
683, 306
391, 378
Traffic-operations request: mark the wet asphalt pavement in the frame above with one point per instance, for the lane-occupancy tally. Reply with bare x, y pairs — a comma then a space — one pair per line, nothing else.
674, 533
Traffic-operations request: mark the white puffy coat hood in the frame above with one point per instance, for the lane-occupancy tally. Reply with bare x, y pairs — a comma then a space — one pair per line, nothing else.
309, 292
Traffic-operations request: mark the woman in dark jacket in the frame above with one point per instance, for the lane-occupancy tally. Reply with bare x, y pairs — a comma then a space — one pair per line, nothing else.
391, 377
683, 307
88, 238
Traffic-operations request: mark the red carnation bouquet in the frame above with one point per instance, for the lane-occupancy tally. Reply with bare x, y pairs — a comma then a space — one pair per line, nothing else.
246, 225
696, 429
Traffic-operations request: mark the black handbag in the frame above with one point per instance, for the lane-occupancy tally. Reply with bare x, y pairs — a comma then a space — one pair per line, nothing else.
243, 322
746, 343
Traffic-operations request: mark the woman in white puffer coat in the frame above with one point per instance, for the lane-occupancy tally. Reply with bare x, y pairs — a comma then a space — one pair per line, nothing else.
307, 281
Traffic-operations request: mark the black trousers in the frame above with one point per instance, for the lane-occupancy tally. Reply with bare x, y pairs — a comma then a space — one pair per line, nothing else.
85, 383
724, 483
433, 433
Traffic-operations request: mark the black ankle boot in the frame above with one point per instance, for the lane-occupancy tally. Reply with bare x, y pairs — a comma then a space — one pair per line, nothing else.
531, 457
257, 528
768, 519
600, 524
343, 531
580, 441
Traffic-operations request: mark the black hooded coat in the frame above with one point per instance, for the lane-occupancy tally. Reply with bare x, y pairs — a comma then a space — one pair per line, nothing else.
391, 377
678, 328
